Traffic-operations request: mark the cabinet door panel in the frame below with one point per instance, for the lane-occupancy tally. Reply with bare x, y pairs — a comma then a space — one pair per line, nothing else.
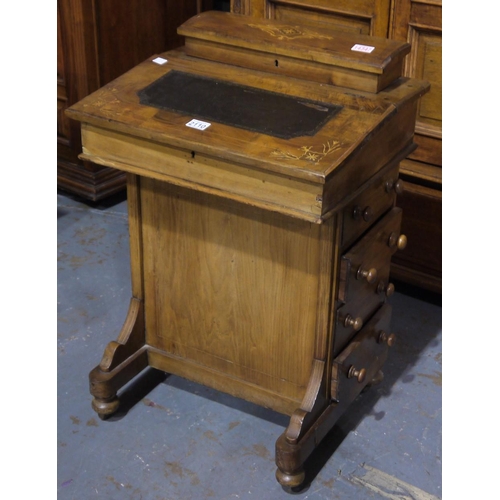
425, 63
429, 66
370, 17
420, 24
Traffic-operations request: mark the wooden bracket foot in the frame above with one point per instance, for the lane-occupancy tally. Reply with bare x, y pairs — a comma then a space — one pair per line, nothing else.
122, 361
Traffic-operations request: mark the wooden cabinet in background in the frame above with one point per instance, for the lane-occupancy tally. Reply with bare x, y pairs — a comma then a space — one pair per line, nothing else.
419, 23
98, 41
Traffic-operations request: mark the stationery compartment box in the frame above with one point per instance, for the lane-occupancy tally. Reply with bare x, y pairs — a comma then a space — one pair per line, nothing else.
349, 60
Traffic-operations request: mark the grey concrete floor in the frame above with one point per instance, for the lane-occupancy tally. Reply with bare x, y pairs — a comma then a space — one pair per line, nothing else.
177, 440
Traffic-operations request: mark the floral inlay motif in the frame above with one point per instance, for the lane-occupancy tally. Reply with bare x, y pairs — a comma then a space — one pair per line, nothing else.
308, 153
289, 32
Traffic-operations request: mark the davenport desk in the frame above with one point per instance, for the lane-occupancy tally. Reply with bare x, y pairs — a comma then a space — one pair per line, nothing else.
262, 164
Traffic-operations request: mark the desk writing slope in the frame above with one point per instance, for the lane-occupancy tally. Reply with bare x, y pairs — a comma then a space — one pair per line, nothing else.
239, 106
260, 245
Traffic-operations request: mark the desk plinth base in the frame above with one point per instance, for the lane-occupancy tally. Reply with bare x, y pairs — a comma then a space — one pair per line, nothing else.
291, 453
304, 433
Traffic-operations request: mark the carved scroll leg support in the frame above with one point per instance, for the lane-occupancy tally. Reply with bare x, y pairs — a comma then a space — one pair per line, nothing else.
104, 386
123, 359
295, 445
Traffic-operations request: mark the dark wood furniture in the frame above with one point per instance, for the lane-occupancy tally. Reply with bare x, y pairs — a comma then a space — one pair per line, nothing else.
96, 42
260, 248
419, 23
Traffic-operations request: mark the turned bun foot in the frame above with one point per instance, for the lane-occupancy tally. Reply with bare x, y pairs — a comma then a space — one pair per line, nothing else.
290, 480
105, 407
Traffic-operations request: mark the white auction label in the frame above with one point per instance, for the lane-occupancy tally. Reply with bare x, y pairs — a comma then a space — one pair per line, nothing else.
198, 124
362, 48
160, 60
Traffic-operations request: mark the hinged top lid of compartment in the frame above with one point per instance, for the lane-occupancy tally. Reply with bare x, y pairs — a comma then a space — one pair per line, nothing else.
356, 61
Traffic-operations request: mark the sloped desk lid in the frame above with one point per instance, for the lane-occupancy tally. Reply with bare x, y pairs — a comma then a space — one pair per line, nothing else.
296, 175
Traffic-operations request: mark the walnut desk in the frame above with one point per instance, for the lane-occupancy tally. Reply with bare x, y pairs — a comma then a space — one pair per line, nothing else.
261, 233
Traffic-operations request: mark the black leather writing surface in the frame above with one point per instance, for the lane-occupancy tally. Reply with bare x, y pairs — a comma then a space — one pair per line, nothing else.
270, 113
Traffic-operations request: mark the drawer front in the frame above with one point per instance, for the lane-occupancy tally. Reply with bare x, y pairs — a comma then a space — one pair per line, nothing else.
364, 356
362, 212
364, 278
354, 314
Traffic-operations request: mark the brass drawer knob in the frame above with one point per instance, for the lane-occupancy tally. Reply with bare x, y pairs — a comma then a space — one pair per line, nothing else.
398, 186
383, 338
355, 373
398, 241
359, 213
388, 289
356, 323
369, 275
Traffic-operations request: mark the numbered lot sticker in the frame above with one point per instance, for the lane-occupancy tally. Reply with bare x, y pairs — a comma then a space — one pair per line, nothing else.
160, 60
198, 124
363, 48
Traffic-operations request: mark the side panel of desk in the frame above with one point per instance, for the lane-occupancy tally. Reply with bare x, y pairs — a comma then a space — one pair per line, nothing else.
233, 293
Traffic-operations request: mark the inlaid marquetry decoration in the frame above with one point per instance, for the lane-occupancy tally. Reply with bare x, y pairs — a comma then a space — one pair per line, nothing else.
288, 32
308, 153
105, 99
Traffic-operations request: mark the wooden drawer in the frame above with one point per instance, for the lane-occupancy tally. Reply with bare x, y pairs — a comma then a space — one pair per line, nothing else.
361, 360
362, 212
364, 276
